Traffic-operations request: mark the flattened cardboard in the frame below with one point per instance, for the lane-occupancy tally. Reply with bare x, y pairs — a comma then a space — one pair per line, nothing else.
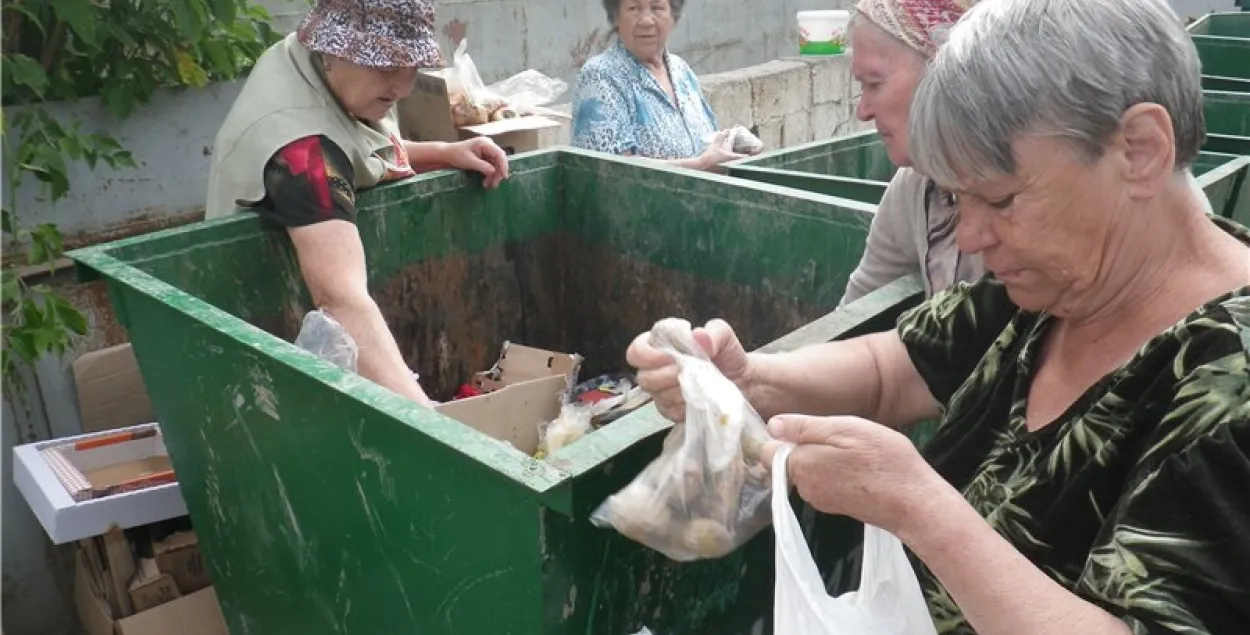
512, 413
110, 390
425, 115
93, 612
518, 363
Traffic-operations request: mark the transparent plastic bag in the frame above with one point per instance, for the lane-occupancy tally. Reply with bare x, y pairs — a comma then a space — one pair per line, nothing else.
474, 103
737, 139
707, 493
888, 602
324, 337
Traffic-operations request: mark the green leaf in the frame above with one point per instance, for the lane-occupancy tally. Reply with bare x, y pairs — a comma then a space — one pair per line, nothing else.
10, 289
119, 98
73, 319
80, 15
219, 56
38, 253
24, 71
225, 11
188, 15
8, 221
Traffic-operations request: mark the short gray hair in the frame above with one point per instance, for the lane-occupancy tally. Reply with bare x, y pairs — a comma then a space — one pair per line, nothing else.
612, 7
1065, 68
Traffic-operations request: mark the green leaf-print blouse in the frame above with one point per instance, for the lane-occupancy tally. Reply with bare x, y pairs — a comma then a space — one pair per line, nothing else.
1138, 498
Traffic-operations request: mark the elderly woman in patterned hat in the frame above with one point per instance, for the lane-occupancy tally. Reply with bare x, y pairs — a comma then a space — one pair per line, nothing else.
314, 124
638, 99
1089, 474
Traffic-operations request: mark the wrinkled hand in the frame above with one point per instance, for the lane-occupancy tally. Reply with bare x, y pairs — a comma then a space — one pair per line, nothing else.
480, 154
858, 468
719, 151
657, 371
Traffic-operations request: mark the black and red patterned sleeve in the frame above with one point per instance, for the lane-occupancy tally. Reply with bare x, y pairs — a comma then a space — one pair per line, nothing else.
308, 181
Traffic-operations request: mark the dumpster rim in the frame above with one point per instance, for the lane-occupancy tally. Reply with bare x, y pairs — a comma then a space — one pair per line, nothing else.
588, 452
536, 475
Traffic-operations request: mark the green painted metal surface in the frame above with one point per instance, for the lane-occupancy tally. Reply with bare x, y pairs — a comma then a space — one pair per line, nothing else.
1225, 62
860, 156
1226, 113
326, 504
1222, 23
1221, 175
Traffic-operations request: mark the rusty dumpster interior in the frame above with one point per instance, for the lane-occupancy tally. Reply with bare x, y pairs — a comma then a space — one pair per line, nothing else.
573, 253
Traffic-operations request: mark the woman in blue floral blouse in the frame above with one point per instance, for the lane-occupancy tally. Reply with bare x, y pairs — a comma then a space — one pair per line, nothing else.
638, 99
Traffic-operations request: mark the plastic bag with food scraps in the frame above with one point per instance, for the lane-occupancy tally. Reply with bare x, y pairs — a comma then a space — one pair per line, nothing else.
579, 416
737, 139
707, 493
474, 103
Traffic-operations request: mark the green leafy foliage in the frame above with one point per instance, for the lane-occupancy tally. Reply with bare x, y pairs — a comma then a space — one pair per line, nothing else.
121, 51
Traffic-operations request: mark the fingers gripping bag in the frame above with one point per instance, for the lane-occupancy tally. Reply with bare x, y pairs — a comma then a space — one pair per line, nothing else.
707, 493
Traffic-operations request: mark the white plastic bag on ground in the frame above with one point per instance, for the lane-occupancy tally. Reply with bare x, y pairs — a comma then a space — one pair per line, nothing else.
888, 602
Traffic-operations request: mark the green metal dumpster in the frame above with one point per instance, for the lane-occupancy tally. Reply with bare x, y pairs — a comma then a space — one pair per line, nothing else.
326, 504
845, 167
1222, 23
1224, 62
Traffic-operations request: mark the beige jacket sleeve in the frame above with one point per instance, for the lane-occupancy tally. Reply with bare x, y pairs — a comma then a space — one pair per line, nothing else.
893, 249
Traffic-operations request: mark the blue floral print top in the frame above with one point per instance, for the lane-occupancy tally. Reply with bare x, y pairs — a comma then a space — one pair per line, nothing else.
619, 108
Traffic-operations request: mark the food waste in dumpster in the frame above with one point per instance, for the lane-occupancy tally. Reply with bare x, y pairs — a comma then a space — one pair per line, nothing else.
328, 504
582, 406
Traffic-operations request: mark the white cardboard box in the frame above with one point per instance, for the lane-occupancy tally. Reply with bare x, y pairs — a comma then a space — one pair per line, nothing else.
65, 520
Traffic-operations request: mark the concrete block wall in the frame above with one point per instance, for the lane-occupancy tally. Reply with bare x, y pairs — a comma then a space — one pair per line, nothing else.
785, 102
788, 101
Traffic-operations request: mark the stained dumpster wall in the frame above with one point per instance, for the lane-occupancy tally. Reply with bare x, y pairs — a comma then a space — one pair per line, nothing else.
171, 140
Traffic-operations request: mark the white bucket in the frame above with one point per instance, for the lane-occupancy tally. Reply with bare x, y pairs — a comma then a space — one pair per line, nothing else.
823, 32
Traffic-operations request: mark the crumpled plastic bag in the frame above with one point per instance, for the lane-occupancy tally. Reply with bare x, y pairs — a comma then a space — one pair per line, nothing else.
888, 601
474, 103
707, 493
324, 337
737, 139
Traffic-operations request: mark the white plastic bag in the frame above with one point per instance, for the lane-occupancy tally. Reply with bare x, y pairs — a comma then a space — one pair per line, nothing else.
707, 492
474, 103
888, 601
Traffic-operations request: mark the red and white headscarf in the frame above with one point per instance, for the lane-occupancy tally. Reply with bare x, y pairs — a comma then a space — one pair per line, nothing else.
918, 23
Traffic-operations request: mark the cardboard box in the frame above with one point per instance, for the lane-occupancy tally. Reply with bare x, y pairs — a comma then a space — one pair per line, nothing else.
195, 614
425, 115
126, 461
151, 588
179, 556
65, 519
524, 389
110, 390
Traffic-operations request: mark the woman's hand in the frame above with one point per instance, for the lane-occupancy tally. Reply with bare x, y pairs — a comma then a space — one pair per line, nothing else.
479, 154
719, 151
657, 372
858, 468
